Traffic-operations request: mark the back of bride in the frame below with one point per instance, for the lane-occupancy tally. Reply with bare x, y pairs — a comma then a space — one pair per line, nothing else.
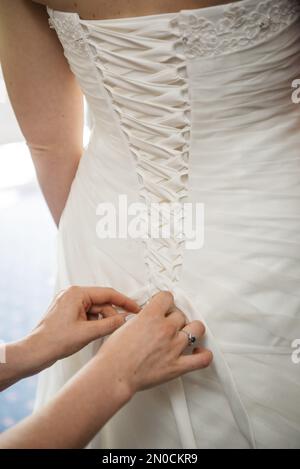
197, 106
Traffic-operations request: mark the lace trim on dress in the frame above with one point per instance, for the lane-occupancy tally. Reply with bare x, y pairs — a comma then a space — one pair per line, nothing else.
66, 28
241, 26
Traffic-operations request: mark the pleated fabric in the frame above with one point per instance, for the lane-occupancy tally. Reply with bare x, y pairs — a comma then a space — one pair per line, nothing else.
197, 107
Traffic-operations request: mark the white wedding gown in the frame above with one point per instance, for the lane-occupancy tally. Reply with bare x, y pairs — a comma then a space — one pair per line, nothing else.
195, 106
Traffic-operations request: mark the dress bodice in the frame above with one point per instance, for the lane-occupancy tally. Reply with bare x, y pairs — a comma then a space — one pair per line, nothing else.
136, 76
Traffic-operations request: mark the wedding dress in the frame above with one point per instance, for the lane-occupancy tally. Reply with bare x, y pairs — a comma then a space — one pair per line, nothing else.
195, 106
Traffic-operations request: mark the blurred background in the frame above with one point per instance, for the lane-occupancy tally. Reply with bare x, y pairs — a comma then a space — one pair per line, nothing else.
27, 253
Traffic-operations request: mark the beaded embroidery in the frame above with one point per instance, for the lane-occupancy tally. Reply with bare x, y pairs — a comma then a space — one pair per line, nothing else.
68, 32
241, 26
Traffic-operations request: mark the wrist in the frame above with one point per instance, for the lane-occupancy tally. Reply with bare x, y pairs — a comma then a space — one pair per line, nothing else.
22, 359
112, 372
38, 350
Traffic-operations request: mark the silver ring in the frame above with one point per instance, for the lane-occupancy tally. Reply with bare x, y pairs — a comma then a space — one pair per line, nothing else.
191, 338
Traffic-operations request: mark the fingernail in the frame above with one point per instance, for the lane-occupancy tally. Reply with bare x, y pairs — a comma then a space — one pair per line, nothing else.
129, 316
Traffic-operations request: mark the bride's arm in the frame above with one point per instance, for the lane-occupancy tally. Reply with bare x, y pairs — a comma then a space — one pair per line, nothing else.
45, 97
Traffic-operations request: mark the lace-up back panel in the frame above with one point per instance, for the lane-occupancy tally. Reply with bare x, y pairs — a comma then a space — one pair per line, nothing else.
138, 79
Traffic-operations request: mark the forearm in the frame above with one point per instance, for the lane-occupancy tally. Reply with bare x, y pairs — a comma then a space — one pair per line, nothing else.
55, 169
77, 413
23, 358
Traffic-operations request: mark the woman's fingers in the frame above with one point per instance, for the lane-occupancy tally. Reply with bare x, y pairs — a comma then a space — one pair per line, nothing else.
103, 327
195, 328
104, 310
177, 318
100, 295
200, 358
160, 304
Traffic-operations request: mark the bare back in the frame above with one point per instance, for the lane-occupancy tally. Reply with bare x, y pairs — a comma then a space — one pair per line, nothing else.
106, 9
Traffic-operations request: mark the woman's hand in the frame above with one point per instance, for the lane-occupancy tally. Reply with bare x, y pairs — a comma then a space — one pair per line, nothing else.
68, 324
147, 350
65, 329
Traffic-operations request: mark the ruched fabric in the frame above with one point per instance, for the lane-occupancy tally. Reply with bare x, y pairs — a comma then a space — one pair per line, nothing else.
196, 107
